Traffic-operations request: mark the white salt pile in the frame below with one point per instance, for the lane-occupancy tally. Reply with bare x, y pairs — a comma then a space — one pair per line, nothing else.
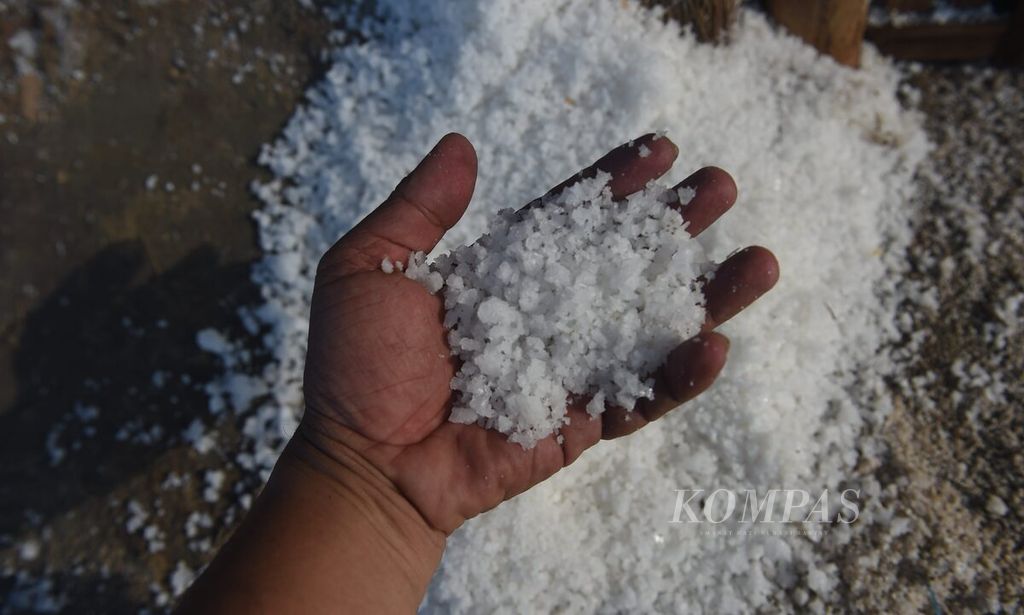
824, 157
581, 296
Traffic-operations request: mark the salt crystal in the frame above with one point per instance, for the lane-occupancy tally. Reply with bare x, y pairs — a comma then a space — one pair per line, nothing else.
181, 578
137, 517
685, 195
29, 550
214, 482
196, 435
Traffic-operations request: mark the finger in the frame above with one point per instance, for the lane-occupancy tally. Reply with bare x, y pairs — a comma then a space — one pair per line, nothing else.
630, 171
687, 372
617, 422
580, 433
424, 205
738, 282
711, 192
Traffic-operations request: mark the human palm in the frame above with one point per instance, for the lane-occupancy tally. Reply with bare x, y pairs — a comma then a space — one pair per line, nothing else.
378, 366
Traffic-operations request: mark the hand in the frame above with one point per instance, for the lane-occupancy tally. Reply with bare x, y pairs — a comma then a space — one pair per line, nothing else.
378, 366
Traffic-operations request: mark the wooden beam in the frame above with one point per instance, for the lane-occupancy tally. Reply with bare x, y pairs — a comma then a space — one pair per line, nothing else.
1011, 48
835, 27
941, 42
710, 19
909, 5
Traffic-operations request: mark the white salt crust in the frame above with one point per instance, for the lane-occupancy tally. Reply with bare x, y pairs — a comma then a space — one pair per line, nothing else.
581, 296
824, 157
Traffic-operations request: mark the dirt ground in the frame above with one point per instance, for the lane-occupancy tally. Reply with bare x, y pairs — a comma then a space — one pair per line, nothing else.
127, 145
954, 468
125, 161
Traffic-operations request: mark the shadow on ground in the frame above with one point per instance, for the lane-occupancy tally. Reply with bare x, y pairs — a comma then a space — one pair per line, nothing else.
106, 367
124, 190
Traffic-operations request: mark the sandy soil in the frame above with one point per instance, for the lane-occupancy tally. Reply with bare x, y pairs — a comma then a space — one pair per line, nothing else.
955, 469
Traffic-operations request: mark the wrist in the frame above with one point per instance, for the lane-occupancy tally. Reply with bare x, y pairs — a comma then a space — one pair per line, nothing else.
397, 540
328, 534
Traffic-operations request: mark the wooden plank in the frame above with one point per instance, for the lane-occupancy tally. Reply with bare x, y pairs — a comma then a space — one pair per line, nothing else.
1011, 48
835, 27
940, 42
909, 5
970, 4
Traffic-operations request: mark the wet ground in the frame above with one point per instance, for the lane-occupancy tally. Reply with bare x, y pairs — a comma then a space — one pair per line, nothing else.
127, 144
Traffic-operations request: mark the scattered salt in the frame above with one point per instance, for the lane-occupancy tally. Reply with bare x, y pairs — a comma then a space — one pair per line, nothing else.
181, 578
154, 537
137, 516
214, 483
196, 522
213, 341
196, 435
29, 550
53, 448
86, 413
173, 480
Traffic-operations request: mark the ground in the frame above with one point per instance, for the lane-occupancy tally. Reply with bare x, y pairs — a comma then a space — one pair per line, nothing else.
127, 228
955, 468
125, 161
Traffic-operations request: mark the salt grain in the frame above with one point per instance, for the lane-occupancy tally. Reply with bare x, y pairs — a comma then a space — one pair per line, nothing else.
29, 550
181, 578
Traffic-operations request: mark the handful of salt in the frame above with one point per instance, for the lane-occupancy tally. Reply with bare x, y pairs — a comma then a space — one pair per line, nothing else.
582, 296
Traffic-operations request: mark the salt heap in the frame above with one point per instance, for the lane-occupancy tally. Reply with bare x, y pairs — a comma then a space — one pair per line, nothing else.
824, 157
581, 296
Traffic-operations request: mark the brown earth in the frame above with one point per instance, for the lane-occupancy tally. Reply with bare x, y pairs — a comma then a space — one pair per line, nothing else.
955, 467
106, 281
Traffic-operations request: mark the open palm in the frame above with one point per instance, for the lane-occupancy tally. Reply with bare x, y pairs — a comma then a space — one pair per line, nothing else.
378, 366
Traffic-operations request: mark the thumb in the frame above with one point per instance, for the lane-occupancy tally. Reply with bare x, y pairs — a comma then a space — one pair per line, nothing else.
427, 203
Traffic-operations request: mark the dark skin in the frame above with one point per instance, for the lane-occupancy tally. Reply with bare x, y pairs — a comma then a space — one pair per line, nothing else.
356, 513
